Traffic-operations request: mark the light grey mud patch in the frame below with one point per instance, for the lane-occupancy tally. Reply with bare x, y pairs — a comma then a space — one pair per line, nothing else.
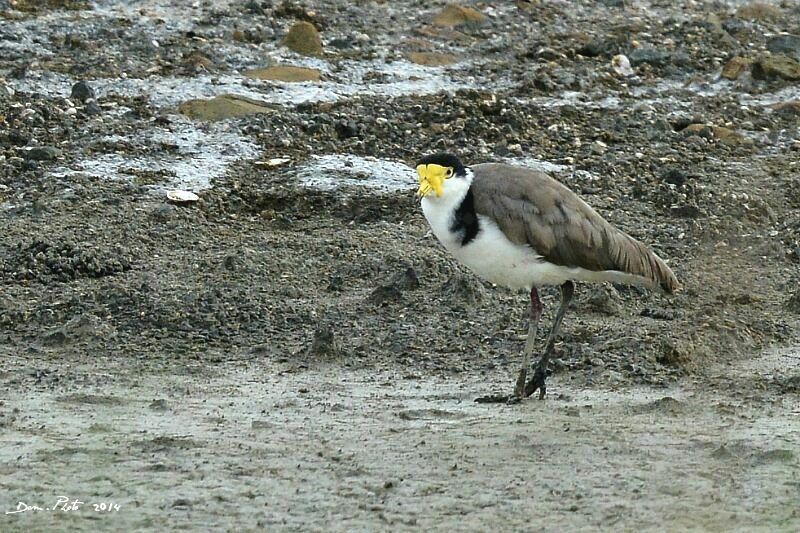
269, 449
335, 171
188, 156
348, 79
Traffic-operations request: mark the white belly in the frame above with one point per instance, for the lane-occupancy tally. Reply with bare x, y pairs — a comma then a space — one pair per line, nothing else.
498, 260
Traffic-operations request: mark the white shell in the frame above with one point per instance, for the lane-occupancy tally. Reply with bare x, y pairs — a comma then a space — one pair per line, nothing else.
622, 65
275, 161
182, 197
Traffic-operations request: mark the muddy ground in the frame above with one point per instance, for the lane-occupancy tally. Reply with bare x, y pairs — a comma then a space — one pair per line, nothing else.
295, 351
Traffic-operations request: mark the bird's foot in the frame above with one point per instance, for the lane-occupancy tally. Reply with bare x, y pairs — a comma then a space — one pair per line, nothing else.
508, 399
537, 381
517, 397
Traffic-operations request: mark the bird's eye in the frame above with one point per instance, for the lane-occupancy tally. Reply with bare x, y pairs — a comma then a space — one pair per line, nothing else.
449, 173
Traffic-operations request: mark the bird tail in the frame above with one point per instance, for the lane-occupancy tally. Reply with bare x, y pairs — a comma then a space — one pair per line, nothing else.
636, 258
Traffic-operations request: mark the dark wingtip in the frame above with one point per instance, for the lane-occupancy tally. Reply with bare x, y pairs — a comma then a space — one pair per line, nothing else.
669, 282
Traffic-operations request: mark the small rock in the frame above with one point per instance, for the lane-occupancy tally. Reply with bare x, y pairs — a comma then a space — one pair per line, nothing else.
759, 11
453, 15
727, 135
81, 92
324, 342
604, 299
598, 47
274, 162
675, 176
735, 68
182, 503
708, 131
345, 130
788, 45
789, 109
432, 59
700, 130
285, 73
650, 56
42, 153
598, 148
776, 66
304, 39
341, 43
685, 211
158, 405
548, 54
197, 61
622, 65
659, 314
92, 108
182, 197
223, 107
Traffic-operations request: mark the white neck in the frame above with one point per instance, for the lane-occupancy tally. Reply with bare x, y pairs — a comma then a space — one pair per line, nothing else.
440, 210
453, 193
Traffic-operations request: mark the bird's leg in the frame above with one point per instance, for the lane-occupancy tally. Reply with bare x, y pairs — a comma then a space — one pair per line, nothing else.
540, 373
519, 389
535, 315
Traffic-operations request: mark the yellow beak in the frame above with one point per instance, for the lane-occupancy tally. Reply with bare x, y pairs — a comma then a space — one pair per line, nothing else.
431, 178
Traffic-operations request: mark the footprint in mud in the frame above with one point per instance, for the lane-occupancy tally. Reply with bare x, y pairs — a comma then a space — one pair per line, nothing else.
164, 442
430, 414
666, 405
93, 399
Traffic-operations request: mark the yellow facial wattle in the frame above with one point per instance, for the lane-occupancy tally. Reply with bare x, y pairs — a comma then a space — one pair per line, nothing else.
431, 178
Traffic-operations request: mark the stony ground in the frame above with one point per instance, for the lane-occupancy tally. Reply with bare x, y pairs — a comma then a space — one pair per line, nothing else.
295, 351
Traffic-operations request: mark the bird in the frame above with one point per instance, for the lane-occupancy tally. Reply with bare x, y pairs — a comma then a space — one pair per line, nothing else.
523, 229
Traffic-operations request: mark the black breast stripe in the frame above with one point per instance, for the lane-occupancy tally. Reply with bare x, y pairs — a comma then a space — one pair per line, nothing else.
465, 220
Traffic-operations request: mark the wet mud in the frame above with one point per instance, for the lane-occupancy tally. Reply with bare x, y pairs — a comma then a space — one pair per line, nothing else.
295, 351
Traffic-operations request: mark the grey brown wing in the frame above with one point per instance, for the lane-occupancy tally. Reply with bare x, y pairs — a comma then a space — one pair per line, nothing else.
532, 208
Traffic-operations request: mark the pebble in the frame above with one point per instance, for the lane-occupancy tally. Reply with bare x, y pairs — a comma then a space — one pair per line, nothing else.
92, 108
81, 92
324, 342
304, 39
776, 66
788, 45
182, 197
452, 15
651, 56
735, 68
42, 153
759, 11
622, 65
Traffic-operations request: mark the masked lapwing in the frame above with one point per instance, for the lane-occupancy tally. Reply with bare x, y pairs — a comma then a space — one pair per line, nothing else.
521, 228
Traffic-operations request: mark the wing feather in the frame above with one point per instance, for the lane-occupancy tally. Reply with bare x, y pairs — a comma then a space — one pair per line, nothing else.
532, 208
